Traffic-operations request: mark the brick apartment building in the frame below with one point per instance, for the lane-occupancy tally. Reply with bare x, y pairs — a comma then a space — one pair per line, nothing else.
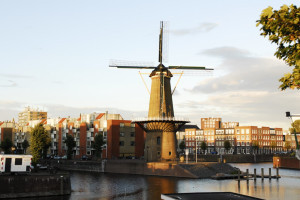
214, 133
122, 138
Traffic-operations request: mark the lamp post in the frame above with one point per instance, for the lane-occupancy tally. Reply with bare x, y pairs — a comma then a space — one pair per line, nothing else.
196, 149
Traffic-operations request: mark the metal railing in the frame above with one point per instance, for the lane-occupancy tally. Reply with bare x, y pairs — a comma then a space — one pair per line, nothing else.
160, 119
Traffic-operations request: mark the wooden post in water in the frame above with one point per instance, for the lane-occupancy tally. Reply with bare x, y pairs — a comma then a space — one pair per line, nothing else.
254, 174
262, 174
277, 172
239, 178
247, 174
270, 173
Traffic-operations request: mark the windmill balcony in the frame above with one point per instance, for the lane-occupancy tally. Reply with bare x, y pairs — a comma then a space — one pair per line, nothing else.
160, 119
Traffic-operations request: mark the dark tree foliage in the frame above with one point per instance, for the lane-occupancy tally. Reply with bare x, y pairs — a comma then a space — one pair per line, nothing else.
203, 146
70, 144
227, 145
283, 28
98, 145
6, 145
182, 145
40, 141
25, 145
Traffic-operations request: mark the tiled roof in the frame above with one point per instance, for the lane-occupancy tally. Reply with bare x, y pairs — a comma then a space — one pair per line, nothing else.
100, 115
62, 120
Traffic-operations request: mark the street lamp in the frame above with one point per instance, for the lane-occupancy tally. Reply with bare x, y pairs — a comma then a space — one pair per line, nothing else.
288, 114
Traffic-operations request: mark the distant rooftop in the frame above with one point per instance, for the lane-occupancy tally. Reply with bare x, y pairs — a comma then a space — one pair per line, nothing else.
187, 126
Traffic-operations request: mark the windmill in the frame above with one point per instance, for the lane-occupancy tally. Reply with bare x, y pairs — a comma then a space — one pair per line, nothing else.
161, 125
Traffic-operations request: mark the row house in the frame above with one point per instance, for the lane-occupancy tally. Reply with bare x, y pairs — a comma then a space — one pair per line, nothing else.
242, 139
121, 137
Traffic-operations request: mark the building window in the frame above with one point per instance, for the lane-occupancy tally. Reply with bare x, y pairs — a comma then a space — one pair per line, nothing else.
121, 124
158, 141
121, 143
237, 131
132, 143
122, 134
18, 161
132, 134
132, 125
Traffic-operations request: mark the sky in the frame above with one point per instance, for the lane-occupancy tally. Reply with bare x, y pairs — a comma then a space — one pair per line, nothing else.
54, 55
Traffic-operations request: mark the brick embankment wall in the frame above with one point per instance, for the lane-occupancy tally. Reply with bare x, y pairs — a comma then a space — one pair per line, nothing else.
236, 158
34, 185
200, 170
286, 162
73, 165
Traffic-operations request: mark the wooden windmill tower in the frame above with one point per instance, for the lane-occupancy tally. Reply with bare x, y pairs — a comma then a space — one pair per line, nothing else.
161, 125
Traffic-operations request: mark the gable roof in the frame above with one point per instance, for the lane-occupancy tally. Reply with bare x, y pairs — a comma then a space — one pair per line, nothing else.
100, 115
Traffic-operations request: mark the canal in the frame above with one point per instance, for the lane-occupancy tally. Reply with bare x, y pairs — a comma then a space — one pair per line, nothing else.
98, 186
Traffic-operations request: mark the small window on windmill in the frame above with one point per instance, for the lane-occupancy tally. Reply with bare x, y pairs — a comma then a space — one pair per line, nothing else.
158, 141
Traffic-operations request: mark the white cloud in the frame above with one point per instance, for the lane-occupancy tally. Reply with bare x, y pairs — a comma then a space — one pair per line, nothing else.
202, 28
247, 92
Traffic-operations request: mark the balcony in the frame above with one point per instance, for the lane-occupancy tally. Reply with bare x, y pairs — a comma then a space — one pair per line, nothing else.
91, 129
92, 138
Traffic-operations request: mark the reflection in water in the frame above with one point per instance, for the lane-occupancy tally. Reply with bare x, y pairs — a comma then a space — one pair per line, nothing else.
98, 186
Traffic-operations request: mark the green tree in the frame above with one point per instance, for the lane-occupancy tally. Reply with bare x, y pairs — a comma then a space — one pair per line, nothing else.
227, 145
70, 144
283, 28
287, 145
203, 146
25, 145
97, 145
273, 145
295, 126
255, 146
6, 145
182, 146
40, 142
295, 129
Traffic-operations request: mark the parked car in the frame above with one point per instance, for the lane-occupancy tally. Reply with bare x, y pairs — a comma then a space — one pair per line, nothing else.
65, 157
85, 157
49, 156
56, 157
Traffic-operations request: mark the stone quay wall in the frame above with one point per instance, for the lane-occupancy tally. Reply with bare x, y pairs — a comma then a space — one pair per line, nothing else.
235, 158
182, 170
34, 185
125, 167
